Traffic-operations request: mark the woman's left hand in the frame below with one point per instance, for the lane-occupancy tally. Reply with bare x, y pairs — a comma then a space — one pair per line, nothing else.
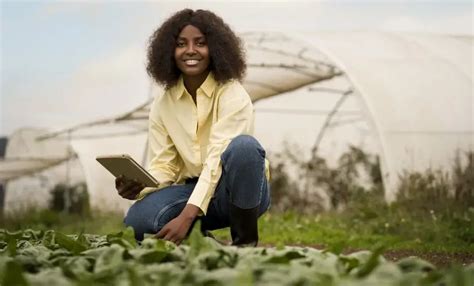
176, 230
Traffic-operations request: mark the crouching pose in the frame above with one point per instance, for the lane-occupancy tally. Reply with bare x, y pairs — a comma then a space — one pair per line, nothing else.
208, 165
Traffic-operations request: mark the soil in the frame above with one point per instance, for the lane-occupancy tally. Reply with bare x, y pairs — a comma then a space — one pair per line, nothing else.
439, 259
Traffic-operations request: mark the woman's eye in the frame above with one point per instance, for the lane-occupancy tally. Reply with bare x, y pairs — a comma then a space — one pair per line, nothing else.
180, 44
201, 44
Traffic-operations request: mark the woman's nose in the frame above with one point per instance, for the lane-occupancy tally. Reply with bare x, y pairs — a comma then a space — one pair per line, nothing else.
190, 49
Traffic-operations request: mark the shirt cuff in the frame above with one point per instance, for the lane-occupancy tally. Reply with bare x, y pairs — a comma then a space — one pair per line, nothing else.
201, 196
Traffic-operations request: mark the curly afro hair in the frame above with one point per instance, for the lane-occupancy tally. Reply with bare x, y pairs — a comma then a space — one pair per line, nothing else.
227, 59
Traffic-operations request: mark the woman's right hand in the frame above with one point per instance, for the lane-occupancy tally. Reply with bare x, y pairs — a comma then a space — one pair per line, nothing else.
127, 188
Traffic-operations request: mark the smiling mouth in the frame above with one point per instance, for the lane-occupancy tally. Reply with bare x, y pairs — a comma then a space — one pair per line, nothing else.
191, 62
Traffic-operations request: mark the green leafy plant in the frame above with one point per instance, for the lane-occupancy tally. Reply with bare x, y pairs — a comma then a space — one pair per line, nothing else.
53, 258
317, 182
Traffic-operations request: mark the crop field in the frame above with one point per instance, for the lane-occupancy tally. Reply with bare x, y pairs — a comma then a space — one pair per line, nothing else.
32, 257
426, 237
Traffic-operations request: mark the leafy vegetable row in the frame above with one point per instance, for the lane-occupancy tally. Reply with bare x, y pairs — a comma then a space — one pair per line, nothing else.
51, 258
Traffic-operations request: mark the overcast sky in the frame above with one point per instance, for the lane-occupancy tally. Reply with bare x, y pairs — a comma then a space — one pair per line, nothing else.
66, 62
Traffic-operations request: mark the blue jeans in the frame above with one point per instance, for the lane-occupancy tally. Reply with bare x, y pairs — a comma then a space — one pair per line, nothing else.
243, 183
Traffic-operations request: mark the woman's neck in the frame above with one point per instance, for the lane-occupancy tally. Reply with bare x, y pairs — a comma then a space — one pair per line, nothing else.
192, 83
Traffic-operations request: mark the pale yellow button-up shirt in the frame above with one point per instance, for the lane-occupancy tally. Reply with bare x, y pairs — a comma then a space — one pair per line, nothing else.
186, 139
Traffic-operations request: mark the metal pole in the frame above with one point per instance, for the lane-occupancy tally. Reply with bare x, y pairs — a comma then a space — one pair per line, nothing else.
67, 190
328, 121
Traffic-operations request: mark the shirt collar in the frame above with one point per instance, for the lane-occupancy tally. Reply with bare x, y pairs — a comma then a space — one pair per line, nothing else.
179, 89
207, 86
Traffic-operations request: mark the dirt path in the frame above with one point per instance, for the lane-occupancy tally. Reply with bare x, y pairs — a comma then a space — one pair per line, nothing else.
439, 259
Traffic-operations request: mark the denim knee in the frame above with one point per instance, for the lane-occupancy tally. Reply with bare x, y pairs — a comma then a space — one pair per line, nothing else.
168, 213
142, 221
243, 147
139, 227
243, 164
151, 213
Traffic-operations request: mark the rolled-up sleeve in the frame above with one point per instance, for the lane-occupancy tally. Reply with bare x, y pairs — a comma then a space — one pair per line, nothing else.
234, 117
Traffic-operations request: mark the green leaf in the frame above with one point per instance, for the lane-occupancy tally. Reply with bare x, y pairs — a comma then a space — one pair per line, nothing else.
11, 246
48, 277
3, 265
77, 267
347, 264
148, 255
94, 253
217, 259
59, 253
15, 234
198, 243
48, 239
69, 243
133, 277
414, 264
124, 238
12, 239
31, 234
13, 274
110, 260
82, 239
459, 276
284, 258
34, 258
371, 263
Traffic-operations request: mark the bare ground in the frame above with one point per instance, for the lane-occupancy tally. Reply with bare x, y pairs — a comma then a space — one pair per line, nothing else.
439, 259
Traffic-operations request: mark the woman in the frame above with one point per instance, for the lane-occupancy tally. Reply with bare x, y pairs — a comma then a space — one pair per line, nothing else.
207, 164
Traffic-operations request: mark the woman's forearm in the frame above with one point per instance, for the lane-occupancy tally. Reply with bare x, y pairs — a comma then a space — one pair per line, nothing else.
190, 212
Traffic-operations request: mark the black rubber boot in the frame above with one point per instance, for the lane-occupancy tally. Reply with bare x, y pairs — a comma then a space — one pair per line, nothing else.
243, 226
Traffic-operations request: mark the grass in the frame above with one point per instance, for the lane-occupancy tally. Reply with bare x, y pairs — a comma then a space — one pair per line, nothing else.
434, 209
95, 222
340, 232
337, 231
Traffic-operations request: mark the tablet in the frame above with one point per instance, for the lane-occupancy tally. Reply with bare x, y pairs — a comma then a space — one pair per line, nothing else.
125, 165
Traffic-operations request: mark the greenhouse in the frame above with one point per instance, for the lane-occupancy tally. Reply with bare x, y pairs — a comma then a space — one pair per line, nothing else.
407, 97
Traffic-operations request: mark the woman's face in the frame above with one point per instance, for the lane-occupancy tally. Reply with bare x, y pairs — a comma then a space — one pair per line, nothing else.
191, 53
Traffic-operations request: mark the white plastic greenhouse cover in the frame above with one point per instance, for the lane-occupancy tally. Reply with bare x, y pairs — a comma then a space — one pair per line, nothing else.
416, 90
24, 155
46, 163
